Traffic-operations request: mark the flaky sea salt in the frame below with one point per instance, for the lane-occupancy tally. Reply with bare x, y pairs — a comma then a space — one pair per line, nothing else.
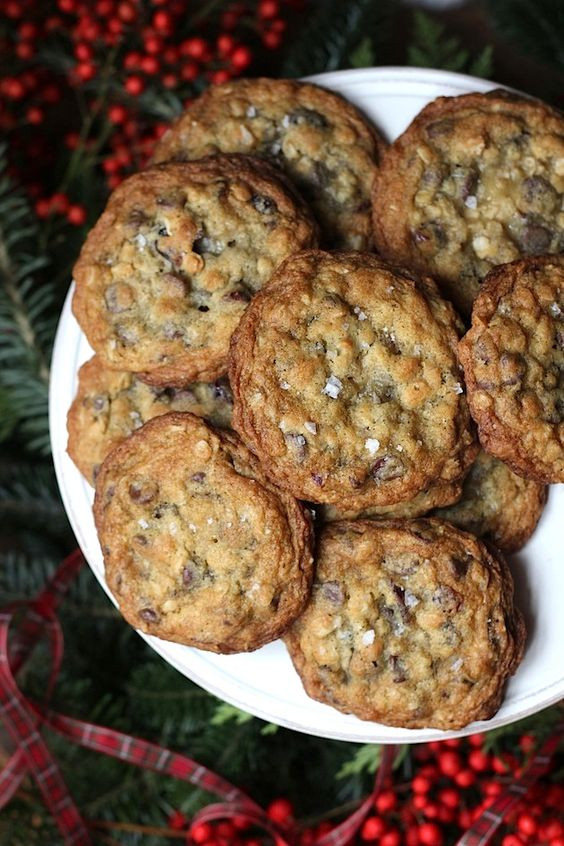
471, 202
143, 524
140, 240
456, 665
332, 387
457, 388
368, 637
192, 527
372, 445
285, 385
555, 310
359, 313
310, 426
409, 598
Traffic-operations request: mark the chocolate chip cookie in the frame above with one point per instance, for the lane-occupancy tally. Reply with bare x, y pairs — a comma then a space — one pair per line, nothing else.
513, 358
346, 383
110, 405
497, 505
409, 624
475, 181
172, 263
321, 141
198, 546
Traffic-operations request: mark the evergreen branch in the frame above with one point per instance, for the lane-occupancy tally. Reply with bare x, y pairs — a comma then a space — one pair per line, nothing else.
536, 28
334, 32
430, 48
27, 321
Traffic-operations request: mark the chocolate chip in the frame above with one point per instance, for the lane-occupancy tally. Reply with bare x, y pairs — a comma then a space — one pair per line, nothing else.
535, 188
141, 540
440, 127
448, 599
137, 217
188, 576
309, 117
117, 298
512, 369
387, 468
238, 296
222, 392
263, 204
460, 566
198, 477
127, 336
558, 341
333, 592
354, 482
149, 615
207, 245
534, 239
319, 480
203, 308
399, 592
143, 491
398, 669
100, 402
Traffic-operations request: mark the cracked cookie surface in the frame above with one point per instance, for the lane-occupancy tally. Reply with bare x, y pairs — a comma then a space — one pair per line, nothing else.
346, 383
409, 624
496, 504
513, 359
475, 181
170, 266
198, 546
322, 142
110, 405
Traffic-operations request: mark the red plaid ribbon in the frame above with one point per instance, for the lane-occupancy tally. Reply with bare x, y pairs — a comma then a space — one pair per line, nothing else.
23, 720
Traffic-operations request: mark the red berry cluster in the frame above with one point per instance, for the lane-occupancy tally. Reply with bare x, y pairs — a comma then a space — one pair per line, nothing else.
454, 782
128, 64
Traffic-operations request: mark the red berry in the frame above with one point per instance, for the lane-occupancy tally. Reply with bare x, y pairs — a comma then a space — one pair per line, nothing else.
391, 838
219, 77
35, 115
372, 828
324, 827
553, 829
278, 25
67, 5
13, 88
431, 810
241, 822
162, 21
225, 44
450, 797
189, 71
177, 820
450, 763
13, 9
117, 113
153, 44
196, 48
412, 837
500, 766
114, 180
201, 832
491, 788
111, 165
272, 40
225, 829
511, 840
43, 208
170, 80
132, 60
134, 85
83, 52
385, 801
527, 743
556, 841
527, 824
430, 834
72, 140
465, 818
419, 801
445, 814
241, 57
280, 810
76, 215
149, 65
420, 784
268, 9
229, 20
25, 50
85, 71
465, 778
452, 742
477, 739
479, 761
127, 12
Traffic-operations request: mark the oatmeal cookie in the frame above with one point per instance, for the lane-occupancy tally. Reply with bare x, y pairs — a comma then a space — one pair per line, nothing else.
321, 141
110, 405
409, 624
497, 505
475, 181
198, 546
423, 502
513, 358
346, 384
172, 263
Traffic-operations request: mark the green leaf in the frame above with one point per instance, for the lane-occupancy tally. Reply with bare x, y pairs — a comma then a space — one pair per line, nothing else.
268, 729
225, 713
483, 63
365, 760
363, 55
431, 47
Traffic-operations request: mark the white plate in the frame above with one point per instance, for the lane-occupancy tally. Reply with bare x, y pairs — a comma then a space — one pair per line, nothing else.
264, 682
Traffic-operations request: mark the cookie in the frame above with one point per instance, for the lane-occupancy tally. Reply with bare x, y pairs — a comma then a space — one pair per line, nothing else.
346, 384
109, 405
475, 181
513, 358
199, 548
170, 266
497, 505
321, 141
409, 624
424, 502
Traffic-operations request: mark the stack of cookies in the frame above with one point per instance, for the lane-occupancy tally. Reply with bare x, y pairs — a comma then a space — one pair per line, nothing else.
279, 396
